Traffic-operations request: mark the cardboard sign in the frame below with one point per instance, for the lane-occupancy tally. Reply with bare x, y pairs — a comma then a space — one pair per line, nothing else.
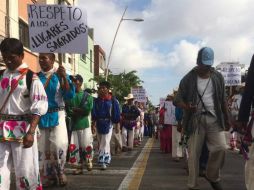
139, 94
162, 101
231, 74
169, 115
57, 28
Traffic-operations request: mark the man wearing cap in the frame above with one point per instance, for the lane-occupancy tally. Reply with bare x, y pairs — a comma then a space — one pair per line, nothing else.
53, 142
202, 96
105, 113
81, 145
130, 115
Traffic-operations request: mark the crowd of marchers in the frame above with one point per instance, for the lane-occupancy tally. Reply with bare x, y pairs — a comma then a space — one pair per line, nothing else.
48, 120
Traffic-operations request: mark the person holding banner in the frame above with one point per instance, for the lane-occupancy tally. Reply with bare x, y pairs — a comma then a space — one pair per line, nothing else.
202, 97
105, 114
53, 140
21, 105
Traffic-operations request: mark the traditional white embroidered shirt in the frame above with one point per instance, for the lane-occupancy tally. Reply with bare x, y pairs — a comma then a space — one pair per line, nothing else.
21, 102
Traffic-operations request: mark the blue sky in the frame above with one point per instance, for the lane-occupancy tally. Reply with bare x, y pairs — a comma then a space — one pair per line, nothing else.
164, 47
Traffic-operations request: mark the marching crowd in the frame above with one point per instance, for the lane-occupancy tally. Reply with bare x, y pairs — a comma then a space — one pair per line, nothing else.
68, 120
191, 123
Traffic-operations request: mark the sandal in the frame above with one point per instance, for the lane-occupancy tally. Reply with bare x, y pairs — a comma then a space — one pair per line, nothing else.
62, 180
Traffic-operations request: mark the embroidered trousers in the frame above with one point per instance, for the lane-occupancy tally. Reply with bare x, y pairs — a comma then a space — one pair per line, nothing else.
53, 144
104, 149
25, 163
81, 146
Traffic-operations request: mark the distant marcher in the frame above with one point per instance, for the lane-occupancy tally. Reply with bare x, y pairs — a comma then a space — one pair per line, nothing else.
116, 142
130, 114
23, 101
202, 97
149, 123
167, 120
105, 113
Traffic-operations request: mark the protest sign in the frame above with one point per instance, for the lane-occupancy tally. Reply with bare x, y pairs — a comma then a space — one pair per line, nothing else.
231, 74
162, 101
57, 28
139, 94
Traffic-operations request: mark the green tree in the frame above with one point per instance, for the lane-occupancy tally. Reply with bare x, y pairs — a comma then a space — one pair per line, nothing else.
121, 83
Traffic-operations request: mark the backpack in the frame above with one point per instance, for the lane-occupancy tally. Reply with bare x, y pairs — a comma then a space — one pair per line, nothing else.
84, 98
29, 77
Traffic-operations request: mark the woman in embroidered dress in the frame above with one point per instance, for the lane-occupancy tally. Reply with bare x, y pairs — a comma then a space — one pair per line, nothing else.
19, 116
105, 113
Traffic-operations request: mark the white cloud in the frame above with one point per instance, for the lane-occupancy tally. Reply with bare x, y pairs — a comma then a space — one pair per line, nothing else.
182, 26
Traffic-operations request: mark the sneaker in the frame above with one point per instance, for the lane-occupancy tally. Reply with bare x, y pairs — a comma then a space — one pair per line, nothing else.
103, 167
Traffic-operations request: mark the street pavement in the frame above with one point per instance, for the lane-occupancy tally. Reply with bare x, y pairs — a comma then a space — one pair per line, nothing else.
146, 168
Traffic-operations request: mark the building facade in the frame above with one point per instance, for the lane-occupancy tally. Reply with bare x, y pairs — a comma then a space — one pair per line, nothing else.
99, 61
85, 62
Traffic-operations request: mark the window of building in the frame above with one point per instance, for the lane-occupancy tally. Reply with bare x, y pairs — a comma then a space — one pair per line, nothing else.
83, 57
91, 61
24, 33
102, 61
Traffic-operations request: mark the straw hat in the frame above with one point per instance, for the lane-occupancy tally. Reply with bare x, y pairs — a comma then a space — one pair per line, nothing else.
129, 97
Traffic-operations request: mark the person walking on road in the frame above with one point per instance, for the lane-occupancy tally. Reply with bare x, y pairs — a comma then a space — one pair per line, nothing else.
53, 140
245, 128
167, 120
202, 96
130, 116
81, 145
105, 113
23, 101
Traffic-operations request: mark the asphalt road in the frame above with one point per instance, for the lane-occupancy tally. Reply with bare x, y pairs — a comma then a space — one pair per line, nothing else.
146, 168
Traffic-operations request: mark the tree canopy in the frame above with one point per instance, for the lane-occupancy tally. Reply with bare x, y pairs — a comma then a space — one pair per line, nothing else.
121, 83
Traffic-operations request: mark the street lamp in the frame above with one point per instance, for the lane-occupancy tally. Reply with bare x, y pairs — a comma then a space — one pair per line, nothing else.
122, 19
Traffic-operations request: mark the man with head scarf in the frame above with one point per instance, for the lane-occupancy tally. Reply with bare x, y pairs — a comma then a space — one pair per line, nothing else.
202, 97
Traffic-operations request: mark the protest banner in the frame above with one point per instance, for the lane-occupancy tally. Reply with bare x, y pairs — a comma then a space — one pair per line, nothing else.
57, 29
231, 74
139, 94
162, 101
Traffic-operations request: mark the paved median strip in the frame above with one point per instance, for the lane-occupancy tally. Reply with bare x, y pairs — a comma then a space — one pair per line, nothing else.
133, 178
